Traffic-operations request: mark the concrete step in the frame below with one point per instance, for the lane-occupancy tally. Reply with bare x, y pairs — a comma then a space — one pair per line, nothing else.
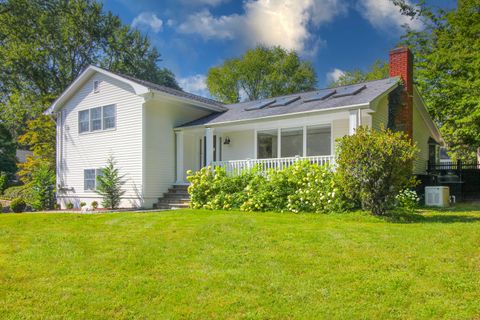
168, 200
172, 206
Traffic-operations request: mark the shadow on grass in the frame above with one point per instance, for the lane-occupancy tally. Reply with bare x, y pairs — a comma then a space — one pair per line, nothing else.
403, 217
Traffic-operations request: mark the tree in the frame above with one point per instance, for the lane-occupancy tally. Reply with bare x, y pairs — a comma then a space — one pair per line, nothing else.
43, 187
374, 166
110, 185
45, 45
262, 72
40, 139
8, 159
378, 70
447, 72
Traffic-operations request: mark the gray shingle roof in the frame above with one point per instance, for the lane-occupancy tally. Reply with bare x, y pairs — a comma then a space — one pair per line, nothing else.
171, 91
237, 111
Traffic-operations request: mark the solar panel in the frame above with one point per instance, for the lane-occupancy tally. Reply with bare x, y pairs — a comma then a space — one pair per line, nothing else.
284, 101
349, 91
260, 105
319, 95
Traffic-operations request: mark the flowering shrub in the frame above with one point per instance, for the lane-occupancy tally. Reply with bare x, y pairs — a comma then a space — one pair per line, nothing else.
407, 199
302, 187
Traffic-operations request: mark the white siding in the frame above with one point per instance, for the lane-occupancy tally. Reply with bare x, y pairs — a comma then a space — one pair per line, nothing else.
91, 150
421, 134
241, 145
380, 116
339, 129
161, 117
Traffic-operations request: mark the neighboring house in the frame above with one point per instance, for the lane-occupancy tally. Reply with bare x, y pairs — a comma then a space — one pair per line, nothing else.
156, 134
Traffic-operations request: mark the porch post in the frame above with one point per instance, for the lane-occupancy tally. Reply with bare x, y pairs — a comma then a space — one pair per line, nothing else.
179, 158
209, 146
353, 121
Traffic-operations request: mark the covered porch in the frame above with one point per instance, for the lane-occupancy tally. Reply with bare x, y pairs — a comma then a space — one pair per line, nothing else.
268, 143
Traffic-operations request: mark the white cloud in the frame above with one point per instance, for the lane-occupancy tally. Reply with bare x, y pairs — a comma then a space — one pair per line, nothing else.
334, 75
148, 19
212, 3
384, 14
281, 22
210, 27
196, 84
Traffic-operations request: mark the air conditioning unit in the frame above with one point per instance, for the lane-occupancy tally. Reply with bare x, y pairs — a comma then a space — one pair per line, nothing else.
437, 196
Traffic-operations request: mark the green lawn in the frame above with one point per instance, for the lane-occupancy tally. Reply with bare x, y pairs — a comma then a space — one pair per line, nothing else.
224, 265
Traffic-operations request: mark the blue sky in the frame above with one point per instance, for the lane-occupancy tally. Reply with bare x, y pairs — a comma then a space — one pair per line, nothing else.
335, 35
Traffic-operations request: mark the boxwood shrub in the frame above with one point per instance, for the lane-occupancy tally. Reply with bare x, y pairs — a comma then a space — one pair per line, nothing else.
18, 205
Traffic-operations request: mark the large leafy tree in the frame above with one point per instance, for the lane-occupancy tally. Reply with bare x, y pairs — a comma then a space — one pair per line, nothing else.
447, 71
7, 154
44, 45
378, 70
262, 72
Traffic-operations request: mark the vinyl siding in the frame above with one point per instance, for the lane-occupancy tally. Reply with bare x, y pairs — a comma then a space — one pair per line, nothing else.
421, 134
161, 117
380, 116
240, 147
90, 150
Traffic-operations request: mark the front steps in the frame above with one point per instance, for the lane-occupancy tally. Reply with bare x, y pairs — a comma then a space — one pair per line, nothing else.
177, 197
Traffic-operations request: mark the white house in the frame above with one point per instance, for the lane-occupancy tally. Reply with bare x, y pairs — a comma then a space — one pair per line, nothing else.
156, 134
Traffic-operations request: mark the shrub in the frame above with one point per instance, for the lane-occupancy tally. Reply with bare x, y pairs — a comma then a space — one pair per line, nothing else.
82, 204
1, 207
300, 187
407, 199
18, 205
94, 205
24, 192
373, 166
43, 187
69, 206
110, 185
3, 181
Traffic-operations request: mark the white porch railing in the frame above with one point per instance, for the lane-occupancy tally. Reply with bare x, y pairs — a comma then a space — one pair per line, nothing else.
237, 166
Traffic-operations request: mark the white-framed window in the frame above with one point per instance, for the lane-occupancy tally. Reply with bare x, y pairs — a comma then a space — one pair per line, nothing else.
319, 141
98, 118
84, 121
90, 182
314, 140
96, 86
109, 117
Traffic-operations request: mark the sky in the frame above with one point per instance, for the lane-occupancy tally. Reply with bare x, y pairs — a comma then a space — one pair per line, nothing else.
335, 35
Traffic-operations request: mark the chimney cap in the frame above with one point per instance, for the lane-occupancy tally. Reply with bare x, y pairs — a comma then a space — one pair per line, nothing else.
400, 49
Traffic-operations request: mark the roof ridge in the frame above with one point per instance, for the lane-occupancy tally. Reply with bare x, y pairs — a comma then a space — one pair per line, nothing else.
165, 88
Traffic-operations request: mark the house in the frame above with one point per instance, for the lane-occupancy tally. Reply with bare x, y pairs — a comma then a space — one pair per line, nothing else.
156, 134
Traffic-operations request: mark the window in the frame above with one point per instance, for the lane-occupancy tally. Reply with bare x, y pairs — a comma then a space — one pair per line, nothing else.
108, 117
318, 141
292, 142
96, 119
83, 121
96, 86
90, 179
267, 144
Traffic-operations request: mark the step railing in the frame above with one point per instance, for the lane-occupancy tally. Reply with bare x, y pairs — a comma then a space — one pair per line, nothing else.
237, 166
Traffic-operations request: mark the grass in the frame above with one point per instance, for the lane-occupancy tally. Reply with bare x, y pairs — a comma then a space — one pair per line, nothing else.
201, 264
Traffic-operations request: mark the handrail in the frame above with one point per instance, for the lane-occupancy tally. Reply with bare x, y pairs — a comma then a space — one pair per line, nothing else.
238, 166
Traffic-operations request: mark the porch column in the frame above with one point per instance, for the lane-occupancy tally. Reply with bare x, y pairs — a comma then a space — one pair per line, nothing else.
179, 158
209, 146
354, 119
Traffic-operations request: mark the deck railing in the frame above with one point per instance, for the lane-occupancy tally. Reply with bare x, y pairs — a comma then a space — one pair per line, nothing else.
238, 166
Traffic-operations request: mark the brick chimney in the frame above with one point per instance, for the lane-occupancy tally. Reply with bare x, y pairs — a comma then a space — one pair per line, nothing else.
401, 64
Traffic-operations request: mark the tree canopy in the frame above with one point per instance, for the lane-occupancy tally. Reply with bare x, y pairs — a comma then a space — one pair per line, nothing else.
45, 45
7, 152
378, 70
447, 72
262, 72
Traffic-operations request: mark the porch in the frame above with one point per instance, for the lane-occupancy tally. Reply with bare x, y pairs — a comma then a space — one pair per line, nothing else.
268, 144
